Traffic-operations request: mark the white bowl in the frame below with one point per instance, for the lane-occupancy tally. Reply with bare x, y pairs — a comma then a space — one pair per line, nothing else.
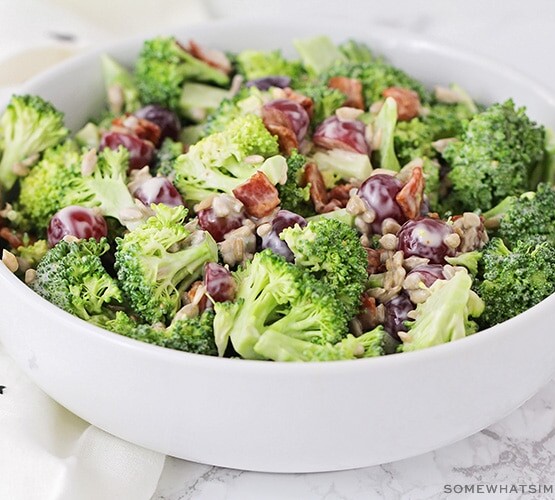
276, 416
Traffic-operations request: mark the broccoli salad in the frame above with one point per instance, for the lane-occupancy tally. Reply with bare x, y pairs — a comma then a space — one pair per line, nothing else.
330, 207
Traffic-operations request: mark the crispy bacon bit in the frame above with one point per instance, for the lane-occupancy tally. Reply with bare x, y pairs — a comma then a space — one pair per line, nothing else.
215, 58
374, 260
371, 315
408, 102
410, 196
306, 102
351, 87
278, 123
258, 195
13, 239
341, 194
318, 192
143, 129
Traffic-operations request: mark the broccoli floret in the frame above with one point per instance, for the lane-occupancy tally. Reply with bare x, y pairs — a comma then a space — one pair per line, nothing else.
31, 254
445, 315
318, 54
413, 139
326, 100
43, 190
166, 156
216, 163
28, 127
72, 277
356, 52
119, 81
336, 164
254, 64
447, 120
274, 294
331, 251
199, 100
339, 214
293, 197
247, 101
384, 124
495, 157
279, 346
162, 68
514, 281
194, 335
105, 188
532, 214
376, 76
470, 260
158, 260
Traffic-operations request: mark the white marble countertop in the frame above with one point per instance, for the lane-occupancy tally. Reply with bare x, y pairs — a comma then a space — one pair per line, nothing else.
519, 450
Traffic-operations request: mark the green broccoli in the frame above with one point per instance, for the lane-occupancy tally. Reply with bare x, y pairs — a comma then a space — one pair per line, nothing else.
447, 120
470, 260
336, 164
384, 125
331, 251
216, 163
28, 126
445, 315
158, 260
163, 67
356, 52
514, 281
119, 81
293, 197
376, 76
497, 153
247, 101
42, 192
166, 156
272, 294
532, 214
319, 54
254, 64
194, 335
339, 214
105, 188
199, 100
31, 254
278, 346
72, 277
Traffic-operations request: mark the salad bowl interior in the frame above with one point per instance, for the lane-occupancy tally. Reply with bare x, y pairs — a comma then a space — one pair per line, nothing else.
280, 417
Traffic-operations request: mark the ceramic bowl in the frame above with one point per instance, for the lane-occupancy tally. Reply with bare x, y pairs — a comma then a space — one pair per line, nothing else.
283, 417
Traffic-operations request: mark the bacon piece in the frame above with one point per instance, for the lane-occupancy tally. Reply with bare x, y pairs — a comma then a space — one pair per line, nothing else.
411, 194
318, 192
306, 102
408, 102
13, 239
341, 194
369, 317
374, 260
140, 127
258, 195
215, 58
351, 87
278, 123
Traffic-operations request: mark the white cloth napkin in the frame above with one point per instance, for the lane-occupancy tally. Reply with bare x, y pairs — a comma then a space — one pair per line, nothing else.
47, 453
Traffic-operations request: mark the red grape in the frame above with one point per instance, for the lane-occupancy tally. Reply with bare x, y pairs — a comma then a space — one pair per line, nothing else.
141, 152
218, 227
271, 240
158, 190
334, 133
425, 238
166, 119
296, 116
83, 223
396, 313
218, 282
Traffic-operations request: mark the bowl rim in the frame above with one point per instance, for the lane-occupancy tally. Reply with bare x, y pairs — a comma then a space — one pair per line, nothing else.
9, 280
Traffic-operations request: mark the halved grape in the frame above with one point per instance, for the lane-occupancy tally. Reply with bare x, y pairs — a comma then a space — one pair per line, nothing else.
296, 116
379, 192
218, 282
141, 152
166, 119
158, 190
426, 238
81, 222
271, 240
334, 133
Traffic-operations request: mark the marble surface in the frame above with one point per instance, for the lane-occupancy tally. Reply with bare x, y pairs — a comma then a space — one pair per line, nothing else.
519, 450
